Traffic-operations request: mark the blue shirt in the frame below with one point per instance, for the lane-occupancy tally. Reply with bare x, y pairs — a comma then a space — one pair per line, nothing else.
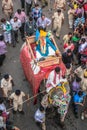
79, 99
36, 13
79, 21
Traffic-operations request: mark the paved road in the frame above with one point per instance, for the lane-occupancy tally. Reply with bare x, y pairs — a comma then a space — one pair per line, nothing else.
12, 66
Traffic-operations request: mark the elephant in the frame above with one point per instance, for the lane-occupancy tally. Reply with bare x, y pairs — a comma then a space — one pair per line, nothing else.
58, 97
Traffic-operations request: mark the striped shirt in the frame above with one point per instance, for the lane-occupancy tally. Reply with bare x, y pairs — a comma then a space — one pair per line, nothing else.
43, 23
36, 13
79, 21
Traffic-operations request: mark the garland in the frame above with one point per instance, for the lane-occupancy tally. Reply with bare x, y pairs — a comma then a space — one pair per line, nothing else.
42, 47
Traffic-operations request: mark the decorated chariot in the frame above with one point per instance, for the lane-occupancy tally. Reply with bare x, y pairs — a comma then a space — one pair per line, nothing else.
36, 70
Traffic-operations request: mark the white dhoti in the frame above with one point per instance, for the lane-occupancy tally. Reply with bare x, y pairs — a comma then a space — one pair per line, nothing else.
7, 37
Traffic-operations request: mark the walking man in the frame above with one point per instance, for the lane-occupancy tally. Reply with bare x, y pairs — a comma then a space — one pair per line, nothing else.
40, 117
17, 98
36, 12
28, 4
29, 28
16, 24
7, 8
6, 26
22, 17
57, 20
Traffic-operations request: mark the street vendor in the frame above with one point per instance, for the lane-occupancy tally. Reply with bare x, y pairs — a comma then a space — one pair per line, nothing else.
54, 78
45, 46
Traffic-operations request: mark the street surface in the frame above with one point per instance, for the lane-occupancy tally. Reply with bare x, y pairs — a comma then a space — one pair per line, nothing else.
12, 66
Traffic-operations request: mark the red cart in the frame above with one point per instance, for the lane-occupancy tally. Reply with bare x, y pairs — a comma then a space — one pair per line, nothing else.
27, 54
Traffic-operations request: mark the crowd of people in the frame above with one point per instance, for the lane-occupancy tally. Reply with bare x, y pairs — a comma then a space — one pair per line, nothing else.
27, 21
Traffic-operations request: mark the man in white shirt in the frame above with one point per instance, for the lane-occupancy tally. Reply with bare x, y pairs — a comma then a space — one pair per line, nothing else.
3, 107
22, 17
16, 24
40, 117
81, 48
71, 13
54, 78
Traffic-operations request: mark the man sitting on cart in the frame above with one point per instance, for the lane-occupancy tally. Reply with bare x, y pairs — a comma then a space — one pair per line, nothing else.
45, 46
54, 78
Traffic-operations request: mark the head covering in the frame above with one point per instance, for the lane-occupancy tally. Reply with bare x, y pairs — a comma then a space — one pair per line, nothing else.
37, 35
43, 33
40, 34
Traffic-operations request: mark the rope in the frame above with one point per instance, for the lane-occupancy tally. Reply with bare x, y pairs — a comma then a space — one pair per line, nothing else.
28, 99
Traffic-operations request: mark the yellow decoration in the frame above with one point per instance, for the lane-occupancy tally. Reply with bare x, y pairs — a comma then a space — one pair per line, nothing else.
43, 33
62, 87
85, 73
75, 6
